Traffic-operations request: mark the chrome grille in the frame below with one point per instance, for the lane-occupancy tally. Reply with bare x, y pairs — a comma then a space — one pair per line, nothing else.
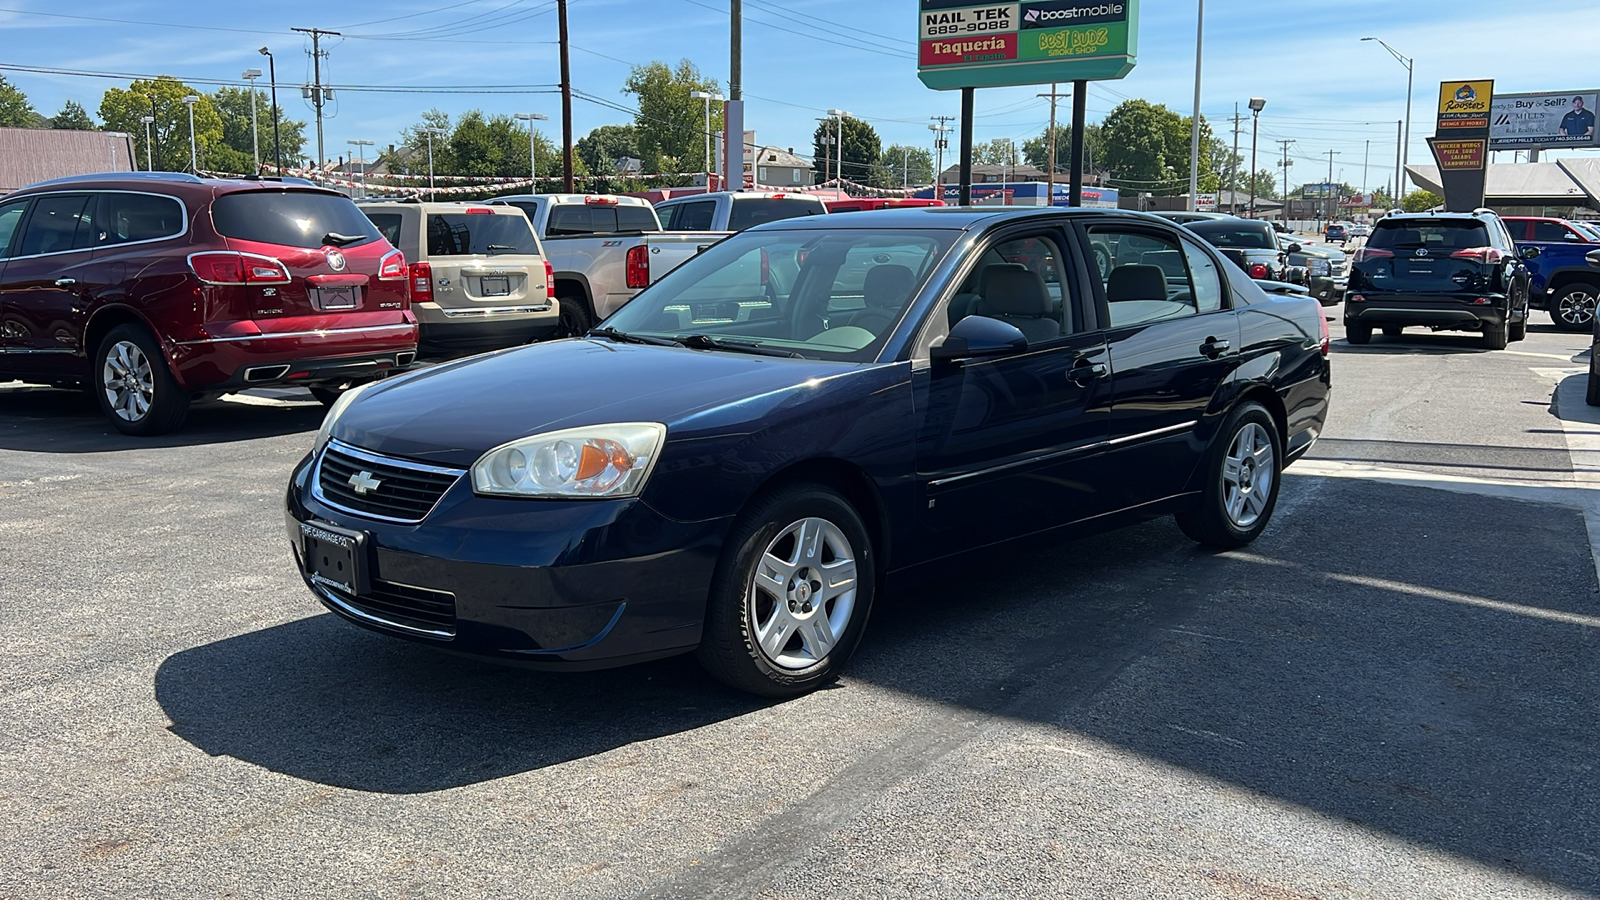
380, 487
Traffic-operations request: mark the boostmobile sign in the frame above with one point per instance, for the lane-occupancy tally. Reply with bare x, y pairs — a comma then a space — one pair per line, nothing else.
1002, 44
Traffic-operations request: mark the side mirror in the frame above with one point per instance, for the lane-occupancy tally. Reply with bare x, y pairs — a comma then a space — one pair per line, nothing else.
1530, 253
1295, 248
979, 337
1593, 258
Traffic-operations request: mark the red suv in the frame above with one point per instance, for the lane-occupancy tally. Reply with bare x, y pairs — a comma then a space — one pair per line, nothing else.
155, 289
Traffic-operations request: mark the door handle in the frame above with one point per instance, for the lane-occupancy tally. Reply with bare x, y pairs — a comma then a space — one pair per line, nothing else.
66, 282
1214, 348
1083, 373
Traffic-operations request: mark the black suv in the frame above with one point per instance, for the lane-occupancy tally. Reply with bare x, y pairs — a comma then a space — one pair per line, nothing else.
1445, 271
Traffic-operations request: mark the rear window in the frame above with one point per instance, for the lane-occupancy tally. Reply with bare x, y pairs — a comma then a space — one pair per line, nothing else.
389, 224
478, 234
1230, 234
291, 218
1434, 234
749, 212
585, 219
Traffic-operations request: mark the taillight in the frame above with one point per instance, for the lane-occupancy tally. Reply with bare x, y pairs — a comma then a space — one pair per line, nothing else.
228, 267
1488, 255
638, 266
549, 280
1356, 298
392, 267
479, 211
1257, 270
1366, 253
1326, 340
421, 283
600, 201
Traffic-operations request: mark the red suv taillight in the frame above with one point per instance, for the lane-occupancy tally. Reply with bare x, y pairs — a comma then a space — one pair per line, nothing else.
549, 280
1366, 253
230, 267
421, 283
638, 266
1487, 255
393, 266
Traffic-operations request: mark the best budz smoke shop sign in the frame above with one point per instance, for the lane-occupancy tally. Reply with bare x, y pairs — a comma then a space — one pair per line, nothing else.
1003, 44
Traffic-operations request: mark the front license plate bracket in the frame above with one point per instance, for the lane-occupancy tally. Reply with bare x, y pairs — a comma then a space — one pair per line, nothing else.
335, 557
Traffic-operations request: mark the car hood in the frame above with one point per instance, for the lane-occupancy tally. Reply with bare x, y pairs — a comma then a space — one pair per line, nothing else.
452, 414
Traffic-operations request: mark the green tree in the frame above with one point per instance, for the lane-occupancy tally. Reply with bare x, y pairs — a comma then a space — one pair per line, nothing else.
72, 117
1036, 150
907, 166
1266, 185
1421, 201
411, 156
15, 110
235, 154
601, 148
1146, 147
162, 98
670, 124
997, 152
862, 150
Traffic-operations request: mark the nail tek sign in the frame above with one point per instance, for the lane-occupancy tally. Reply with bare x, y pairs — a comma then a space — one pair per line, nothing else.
1002, 44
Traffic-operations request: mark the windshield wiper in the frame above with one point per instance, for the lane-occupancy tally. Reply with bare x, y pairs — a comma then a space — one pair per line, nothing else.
494, 247
626, 338
341, 240
707, 342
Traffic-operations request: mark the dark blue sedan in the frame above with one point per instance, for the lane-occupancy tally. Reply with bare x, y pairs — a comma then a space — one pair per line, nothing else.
738, 461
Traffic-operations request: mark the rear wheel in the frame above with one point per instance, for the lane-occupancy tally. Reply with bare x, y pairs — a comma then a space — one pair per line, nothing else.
135, 389
575, 319
1592, 395
1518, 330
1573, 307
1495, 336
1357, 334
1243, 468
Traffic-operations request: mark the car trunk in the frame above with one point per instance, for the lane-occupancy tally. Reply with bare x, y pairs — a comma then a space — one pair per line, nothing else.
484, 260
1421, 258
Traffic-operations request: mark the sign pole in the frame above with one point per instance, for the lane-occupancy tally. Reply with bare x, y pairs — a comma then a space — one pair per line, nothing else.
966, 146
1080, 111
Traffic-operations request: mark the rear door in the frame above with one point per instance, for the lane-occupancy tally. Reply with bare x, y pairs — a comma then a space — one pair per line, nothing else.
11, 327
484, 257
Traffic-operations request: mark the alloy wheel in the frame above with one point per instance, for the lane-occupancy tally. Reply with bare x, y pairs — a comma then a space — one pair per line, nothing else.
803, 593
1576, 308
1247, 474
128, 381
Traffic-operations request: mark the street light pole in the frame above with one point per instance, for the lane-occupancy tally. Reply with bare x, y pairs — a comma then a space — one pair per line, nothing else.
1194, 125
272, 75
251, 75
708, 97
841, 115
1405, 140
430, 132
149, 158
533, 159
1257, 104
190, 100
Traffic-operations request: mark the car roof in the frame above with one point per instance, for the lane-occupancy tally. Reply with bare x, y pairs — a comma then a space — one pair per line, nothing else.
576, 199
172, 180
948, 217
738, 195
445, 207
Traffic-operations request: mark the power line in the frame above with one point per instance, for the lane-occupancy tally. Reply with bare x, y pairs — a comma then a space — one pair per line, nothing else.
233, 82
110, 21
836, 40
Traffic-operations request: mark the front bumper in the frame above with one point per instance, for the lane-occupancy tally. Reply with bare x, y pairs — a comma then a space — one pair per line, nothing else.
1329, 290
1460, 312
552, 584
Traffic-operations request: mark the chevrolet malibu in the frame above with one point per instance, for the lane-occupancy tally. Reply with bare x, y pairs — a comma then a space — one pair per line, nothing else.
737, 463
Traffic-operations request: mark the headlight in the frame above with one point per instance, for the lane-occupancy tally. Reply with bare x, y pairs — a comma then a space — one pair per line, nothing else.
1320, 267
601, 461
334, 412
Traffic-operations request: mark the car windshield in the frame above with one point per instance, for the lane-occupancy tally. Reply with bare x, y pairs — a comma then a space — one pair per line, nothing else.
291, 218
749, 212
1432, 233
821, 295
1222, 233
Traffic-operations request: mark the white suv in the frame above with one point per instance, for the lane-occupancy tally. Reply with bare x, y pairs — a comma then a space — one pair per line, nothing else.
478, 276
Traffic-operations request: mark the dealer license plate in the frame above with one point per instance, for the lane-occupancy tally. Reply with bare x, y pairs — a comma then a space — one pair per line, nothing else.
496, 285
333, 298
334, 557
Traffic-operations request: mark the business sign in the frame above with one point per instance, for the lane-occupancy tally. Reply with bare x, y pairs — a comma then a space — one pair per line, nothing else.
1320, 191
1205, 203
1521, 121
1460, 142
962, 44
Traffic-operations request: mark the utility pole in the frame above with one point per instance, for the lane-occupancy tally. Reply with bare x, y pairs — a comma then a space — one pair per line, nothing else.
1399, 171
1194, 123
1365, 155
940, 128
319, 95
1284, 192
1233, 164
1050, 176
1328, 187
733, 113
566, 101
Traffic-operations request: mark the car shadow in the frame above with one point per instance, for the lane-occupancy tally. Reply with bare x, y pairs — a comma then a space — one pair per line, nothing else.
1413, 343
49, 420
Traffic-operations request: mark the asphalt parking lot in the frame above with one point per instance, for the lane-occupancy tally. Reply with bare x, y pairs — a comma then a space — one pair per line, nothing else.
1391, 694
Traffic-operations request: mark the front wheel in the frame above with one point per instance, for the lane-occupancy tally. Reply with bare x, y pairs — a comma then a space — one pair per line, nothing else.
1243, 468
1573, 308
135, 389
791, 594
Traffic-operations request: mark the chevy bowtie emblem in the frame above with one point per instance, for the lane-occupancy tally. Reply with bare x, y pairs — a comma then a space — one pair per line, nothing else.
363, 483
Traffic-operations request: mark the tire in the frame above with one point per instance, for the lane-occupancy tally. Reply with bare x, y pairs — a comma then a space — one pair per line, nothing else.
133, 385
1357, 334
1234, 509
763, 555
1573, 308
1393, 330
575, 318
1592, 394
1518, 331
1495, 337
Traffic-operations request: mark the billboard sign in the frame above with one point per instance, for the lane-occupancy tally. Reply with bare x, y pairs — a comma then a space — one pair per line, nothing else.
1460, 142
1523, 121
962, 44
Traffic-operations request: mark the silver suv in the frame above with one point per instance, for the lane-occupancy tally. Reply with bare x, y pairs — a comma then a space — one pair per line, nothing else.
478, 276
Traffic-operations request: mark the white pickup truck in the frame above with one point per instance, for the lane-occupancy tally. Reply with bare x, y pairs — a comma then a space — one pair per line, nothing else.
604, 249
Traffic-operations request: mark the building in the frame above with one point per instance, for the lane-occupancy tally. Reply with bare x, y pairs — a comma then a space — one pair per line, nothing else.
991, 174
1561, 188
781, 168
30, 155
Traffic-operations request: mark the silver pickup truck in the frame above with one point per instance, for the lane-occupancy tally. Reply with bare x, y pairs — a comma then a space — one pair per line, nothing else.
604, 249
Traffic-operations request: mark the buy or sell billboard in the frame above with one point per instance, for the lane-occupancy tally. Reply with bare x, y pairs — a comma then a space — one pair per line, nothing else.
1524, 121
962, 44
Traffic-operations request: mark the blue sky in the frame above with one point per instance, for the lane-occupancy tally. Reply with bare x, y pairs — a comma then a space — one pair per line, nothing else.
1325, 89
